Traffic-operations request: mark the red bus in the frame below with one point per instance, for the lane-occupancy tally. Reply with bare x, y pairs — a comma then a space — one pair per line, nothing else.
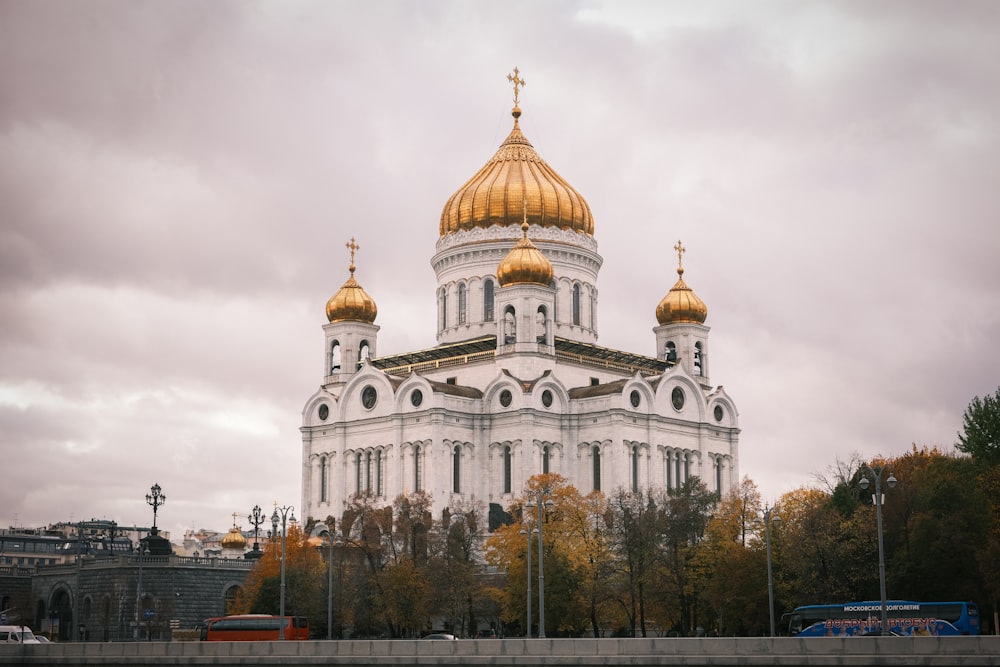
254, 628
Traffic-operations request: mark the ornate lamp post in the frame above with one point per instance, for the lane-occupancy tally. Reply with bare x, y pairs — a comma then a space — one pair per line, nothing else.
155, 498
769, 518
282, 514
540, 501
879, 497
256, 518
330, 541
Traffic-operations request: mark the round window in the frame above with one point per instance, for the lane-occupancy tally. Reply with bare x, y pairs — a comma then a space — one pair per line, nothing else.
634, 398
505, 398
547, 398
416, 398
718, 413
369, 397
324, 411
677, 398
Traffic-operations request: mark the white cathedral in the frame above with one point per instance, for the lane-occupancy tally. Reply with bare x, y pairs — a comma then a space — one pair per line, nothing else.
517, 384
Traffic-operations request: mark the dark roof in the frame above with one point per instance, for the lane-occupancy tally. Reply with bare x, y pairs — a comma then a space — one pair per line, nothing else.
593, 390
404, 364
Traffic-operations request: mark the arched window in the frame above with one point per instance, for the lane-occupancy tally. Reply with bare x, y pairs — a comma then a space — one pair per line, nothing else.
322, 480
364, 352
718, 474
444, 308
596, 455
509, 326
635, 469
670, 351
418, 478
368, 470
697, 359
456, 469
462, 303
357, 473
334, 357
576, 304
507, 469
593, 309
540, 325
488, 300
546, 457
378, 473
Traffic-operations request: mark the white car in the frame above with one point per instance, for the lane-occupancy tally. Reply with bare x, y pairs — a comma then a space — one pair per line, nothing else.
17, 634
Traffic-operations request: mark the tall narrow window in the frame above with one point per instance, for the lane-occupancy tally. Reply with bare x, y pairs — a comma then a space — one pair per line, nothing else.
669, 470
322, 480
670, 351
488, 300
364, 352
357, 473
368, 470
540, 325
596, 454
444, 308
334, 357
418, 478
507, 469
635, 469
462, 303
718, 475
378, 473
509, 326
697, 359
545, 460
593, 309
576, 304
456, 469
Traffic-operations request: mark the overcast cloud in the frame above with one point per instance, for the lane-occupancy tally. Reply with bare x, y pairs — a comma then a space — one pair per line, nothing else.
178, 181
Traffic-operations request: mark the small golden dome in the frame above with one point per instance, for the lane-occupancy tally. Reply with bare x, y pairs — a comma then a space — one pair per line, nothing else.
681, 304
525, 264
351, 302
234, 539
514, 175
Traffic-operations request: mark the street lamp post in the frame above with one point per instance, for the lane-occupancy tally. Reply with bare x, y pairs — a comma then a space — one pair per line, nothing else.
540, 501
329, 584
879, 498
769, 517
282, 514
256, 517
528, 576
155, 498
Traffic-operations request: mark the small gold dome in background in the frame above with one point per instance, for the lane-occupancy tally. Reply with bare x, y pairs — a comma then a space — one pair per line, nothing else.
351, 302
525, 264
681, 304
234, 539
514, 176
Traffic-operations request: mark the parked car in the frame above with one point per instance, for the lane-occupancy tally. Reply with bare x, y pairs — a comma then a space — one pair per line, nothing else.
440, 635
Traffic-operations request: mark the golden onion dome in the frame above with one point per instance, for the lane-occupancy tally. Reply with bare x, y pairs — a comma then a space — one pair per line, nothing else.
525, 264
351, 302
681, 304
234, 539
516, 174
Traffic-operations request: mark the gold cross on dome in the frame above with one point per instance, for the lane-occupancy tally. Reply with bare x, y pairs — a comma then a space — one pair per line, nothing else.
352, 246
234, 518
680, 252
518, 82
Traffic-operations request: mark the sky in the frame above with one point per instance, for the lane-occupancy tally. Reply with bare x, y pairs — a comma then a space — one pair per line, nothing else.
178, 181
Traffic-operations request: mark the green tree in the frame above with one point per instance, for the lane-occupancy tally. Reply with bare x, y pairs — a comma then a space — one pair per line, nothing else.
980, 436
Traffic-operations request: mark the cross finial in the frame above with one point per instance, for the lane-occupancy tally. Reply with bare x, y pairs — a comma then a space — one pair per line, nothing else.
680, 257
235, 514
353, 247
518, 82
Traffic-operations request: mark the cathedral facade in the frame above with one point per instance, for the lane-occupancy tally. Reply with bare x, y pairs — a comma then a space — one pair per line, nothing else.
517, 384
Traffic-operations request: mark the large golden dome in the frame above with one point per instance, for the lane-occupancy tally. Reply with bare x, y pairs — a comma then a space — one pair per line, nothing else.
525, 264
516, 174
681, 304
351, 302
234, 539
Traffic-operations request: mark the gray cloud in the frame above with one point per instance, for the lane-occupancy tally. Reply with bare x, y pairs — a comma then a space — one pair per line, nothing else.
178, 181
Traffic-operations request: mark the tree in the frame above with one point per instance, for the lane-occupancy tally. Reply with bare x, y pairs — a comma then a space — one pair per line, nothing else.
981, 430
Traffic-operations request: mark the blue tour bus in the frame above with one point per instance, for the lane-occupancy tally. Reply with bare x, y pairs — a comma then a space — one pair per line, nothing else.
853, 619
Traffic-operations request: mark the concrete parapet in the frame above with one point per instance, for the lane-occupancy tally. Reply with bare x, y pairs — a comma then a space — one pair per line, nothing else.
520, 652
